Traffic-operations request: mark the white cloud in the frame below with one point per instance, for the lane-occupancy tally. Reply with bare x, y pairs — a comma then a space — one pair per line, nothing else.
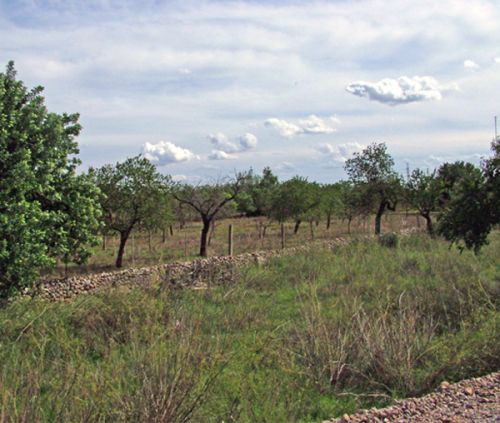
222, 143
400, 91
286, 167
179, 178
469, 64
184, 71
247, 141
165, 152
341, 152
220, 155
497, 59
311, 125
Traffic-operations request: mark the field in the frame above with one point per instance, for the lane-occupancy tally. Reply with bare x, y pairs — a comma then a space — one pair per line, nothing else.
144, 249
301, 339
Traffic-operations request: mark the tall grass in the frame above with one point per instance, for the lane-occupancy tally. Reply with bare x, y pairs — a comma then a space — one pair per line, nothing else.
302, 339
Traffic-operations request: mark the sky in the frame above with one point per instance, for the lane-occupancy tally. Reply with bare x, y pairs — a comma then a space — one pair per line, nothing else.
207, 88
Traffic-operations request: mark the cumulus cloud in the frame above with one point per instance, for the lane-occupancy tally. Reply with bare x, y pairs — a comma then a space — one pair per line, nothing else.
469, 64
401, 90
247, 141
165, 152
341, 152
497, 59
222, 143
311, 125
220, 155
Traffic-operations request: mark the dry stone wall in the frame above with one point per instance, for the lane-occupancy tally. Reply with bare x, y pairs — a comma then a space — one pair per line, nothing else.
201, 272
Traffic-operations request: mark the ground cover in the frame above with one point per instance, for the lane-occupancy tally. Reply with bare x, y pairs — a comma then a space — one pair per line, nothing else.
148, 249
303, 338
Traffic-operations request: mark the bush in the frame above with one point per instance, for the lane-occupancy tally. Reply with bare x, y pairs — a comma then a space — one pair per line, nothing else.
390, 240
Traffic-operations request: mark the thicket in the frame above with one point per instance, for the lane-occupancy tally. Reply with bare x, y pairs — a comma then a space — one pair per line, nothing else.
304, 338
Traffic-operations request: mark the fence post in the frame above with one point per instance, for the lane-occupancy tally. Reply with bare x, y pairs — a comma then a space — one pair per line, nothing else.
282, 236
230, 241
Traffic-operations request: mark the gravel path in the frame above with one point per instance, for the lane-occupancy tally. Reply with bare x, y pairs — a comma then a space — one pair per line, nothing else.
472, 400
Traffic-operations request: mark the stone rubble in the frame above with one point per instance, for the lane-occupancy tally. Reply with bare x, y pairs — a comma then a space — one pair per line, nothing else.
471, 400
197, 273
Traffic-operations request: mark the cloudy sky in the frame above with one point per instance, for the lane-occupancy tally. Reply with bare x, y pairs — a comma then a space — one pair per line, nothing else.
204, 88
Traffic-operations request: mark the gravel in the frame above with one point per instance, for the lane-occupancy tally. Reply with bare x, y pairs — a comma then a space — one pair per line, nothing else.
472, 400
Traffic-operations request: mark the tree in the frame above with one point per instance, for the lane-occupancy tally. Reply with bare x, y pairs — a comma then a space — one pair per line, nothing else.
330, 201
47, 211
134, 194
352, 202
372, 170
472, 208
295, 199
423, 192
209, 200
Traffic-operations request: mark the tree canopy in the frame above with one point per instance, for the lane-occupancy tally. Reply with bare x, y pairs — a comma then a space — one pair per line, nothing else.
134, 193
47, 211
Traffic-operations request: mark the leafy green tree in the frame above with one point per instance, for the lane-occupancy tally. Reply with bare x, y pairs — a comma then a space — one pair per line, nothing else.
209, 201
472, 208
134, 194
330, 201
372, 171
47, 211
423, 192
352, 202
295, 199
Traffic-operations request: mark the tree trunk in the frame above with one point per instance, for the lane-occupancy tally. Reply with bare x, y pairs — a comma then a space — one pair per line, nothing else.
378, 217
121, 249
163, 236
204, 236
349, 220
328, 221
430, 227
171, 227
312, 229
297, 224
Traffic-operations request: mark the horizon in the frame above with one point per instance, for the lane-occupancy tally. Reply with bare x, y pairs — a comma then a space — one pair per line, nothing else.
207, 88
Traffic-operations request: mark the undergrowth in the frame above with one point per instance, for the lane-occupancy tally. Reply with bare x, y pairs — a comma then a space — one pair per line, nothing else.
303, 338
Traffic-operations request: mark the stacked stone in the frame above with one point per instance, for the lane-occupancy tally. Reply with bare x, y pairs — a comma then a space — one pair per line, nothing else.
201, 272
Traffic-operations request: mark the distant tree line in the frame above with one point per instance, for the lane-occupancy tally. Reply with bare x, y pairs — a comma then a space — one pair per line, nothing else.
48, 212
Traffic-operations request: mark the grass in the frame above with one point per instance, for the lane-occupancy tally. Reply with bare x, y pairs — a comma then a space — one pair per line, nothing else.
302, 339
143, 249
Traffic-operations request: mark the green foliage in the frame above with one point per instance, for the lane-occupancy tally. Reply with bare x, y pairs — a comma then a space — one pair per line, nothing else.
134, 193
257, 194
294, 199
471, 201
372, 171
47, 211
423, 192
390, 240
287, 342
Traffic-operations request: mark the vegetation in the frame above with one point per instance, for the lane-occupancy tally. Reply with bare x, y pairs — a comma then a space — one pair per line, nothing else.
372, 171
209, 201
471, 206
47, 211
134, 193
304, 338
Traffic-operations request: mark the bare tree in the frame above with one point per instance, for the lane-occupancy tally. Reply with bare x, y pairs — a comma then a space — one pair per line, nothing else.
209, 200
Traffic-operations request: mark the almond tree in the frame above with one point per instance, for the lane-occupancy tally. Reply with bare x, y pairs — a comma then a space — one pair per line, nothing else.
208, 201
372, 170
134, 194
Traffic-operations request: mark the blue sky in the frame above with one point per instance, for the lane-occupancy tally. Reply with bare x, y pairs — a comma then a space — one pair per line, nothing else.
204, 88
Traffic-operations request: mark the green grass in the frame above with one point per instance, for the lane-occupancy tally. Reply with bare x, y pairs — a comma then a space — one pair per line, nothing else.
304, 338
